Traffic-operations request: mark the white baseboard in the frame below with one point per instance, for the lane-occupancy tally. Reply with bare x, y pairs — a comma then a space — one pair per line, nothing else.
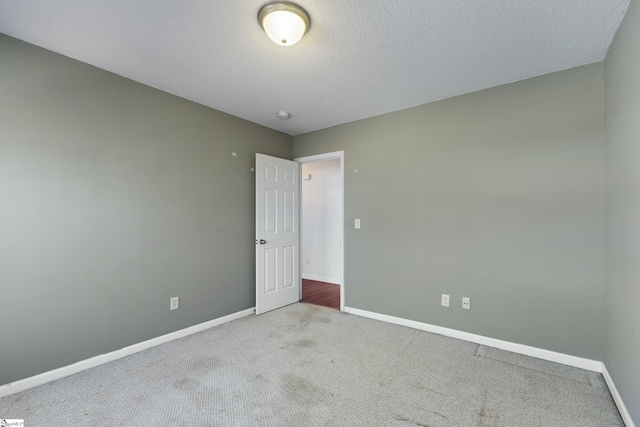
552, 356
45, 377
624, 413
321, 279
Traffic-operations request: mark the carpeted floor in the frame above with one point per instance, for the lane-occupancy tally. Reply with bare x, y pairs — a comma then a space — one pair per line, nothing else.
305, 365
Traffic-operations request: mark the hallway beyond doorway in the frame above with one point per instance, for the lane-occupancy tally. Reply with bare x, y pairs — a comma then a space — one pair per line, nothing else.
321, 293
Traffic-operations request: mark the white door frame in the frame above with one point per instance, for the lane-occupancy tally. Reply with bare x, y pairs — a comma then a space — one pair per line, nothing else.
316, 158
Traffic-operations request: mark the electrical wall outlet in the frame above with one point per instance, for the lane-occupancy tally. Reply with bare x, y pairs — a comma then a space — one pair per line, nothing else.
445, 300
174, 303
466, 303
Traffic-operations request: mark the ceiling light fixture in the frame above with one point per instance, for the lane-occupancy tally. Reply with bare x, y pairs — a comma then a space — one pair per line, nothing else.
285, 23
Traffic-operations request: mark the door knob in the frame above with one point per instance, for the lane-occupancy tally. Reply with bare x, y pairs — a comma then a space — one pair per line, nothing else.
262, 241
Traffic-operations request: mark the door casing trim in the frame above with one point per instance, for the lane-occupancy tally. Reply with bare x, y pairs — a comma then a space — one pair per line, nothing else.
316, 158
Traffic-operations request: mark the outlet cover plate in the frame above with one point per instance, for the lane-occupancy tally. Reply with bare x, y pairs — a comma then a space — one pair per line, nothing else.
444, 300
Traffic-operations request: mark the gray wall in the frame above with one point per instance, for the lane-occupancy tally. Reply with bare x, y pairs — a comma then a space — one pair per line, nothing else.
495, 195
622, 255
114, 197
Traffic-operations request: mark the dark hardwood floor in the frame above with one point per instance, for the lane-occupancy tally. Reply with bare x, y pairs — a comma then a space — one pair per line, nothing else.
321, 293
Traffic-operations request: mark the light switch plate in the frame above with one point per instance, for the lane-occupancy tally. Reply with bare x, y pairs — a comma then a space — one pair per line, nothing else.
357, 223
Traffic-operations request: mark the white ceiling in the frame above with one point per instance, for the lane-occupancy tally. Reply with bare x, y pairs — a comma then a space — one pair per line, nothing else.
360, 58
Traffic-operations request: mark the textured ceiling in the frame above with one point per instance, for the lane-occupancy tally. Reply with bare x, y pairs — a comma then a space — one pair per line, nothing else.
360, 58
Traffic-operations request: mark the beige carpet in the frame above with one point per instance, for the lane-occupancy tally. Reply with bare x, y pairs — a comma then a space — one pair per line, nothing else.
305, 365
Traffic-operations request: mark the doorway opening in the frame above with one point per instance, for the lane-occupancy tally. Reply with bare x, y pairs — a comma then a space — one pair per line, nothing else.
322, 229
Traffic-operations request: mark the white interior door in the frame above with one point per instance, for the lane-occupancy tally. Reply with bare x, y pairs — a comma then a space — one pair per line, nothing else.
277, 233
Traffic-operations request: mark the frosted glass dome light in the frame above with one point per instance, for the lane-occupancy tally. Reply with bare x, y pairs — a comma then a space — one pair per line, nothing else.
285, 23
